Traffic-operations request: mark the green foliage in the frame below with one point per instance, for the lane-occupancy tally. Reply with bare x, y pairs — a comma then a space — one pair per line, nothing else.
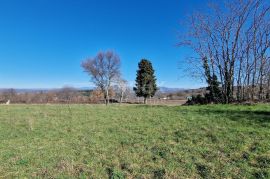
145, 81
206, 70
83, 141
199, 99
214, 94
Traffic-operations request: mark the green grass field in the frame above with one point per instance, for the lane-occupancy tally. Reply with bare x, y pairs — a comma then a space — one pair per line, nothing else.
94, 141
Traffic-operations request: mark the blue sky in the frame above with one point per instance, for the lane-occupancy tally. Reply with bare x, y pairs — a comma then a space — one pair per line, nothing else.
42, 42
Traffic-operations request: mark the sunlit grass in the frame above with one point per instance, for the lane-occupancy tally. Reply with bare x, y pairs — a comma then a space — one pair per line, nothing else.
223, 141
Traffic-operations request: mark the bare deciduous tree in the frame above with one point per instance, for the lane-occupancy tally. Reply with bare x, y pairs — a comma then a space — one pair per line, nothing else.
103, 70
121, 88
235, 40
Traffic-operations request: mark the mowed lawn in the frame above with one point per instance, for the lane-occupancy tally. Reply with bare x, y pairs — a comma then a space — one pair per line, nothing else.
133, 141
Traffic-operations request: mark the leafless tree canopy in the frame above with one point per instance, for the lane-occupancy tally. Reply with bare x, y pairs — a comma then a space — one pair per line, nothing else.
234, 38
103, 70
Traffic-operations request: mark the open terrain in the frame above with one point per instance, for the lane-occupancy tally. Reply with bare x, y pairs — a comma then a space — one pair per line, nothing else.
135, 141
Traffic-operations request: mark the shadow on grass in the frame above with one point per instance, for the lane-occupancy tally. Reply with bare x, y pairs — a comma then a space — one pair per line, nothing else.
258, 117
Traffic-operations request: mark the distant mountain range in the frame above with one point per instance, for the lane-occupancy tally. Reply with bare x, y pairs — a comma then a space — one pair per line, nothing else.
36, 90
170, 90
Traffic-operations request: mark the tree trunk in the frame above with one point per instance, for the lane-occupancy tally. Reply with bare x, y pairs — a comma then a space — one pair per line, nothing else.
248, 86
268, 89
239, 84
145, 100
260, 94
121, 97
255, 64
107, 97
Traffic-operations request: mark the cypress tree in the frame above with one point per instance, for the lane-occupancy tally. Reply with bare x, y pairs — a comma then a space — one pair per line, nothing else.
145, 81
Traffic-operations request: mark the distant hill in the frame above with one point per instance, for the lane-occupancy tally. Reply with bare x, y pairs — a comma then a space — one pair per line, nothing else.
170, 90
37, 90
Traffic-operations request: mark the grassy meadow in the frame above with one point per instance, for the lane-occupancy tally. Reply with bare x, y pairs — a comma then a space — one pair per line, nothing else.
134, 141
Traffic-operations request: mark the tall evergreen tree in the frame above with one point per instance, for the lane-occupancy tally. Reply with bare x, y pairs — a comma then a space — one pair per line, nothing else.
145, 81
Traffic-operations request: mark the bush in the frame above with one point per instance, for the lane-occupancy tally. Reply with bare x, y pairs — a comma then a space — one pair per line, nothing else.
199, 99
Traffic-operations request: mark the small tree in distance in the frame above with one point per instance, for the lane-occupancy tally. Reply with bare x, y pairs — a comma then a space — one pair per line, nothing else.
146, 81
103, 69
121, 88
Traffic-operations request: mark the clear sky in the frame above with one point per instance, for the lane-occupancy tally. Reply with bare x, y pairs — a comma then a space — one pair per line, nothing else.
42, 42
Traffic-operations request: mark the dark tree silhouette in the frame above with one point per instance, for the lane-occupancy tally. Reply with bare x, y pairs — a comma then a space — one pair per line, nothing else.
214, 94
146, 81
